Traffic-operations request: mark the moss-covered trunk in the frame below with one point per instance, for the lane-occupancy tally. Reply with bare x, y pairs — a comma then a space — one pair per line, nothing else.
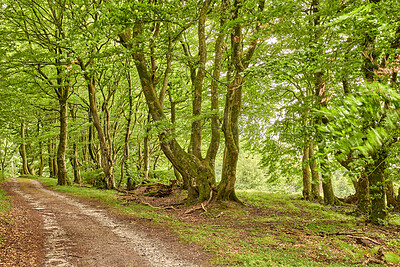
230, 127
362, 193
377, 188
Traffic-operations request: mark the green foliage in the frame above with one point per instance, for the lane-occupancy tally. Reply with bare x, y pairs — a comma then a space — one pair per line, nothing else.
93, 177
391, 257
362, 124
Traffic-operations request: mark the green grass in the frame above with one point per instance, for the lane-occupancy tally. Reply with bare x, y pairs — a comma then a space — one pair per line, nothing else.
270, 230
5, 206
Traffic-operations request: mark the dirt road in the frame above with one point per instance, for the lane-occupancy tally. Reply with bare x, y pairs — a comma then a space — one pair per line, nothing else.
78, 234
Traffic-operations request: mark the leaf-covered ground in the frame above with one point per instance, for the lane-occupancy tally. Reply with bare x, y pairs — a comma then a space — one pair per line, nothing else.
20, 233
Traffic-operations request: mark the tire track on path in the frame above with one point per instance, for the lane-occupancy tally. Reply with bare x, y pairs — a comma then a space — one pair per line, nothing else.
56, 241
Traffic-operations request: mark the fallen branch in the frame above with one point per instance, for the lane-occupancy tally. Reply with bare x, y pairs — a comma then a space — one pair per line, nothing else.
219, 215
148, 204
203, 207
348, 233
365, 238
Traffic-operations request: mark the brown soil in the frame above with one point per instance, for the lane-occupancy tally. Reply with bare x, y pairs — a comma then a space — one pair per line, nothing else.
48, 228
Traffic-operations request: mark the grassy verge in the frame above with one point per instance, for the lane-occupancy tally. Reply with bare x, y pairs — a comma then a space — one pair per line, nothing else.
270, 230
5, 206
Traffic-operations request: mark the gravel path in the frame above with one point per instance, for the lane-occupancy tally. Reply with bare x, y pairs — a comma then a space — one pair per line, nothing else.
78, 234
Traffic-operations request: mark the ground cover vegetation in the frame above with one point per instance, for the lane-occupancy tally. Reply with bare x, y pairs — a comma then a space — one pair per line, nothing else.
210, 96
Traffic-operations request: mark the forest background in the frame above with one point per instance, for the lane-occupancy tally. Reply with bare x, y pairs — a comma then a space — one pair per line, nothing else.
284, 96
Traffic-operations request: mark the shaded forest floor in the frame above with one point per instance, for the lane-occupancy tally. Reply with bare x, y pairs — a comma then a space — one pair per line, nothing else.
269, 230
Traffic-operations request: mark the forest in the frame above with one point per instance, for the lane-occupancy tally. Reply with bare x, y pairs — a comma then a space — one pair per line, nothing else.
213, 95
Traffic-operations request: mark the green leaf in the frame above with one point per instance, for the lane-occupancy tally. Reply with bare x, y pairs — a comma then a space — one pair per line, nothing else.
391, 257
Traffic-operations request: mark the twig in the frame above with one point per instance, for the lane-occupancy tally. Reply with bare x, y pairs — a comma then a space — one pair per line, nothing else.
219, 215
203, 207
364, 237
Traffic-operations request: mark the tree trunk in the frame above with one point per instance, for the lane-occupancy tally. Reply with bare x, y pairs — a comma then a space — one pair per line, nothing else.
106, 160
184, 181
190, 167
54, 159
329, 196
377, 188
76, 165
50, 158
22, 151
362, 193
391, 199
41, 167
62, 145
230, 128
125, 164
306, 172
315, 180
233, 105
40, 151
146, 151
3, 158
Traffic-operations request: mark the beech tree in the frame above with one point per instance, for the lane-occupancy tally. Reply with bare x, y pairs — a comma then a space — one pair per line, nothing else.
198, 171
36, 28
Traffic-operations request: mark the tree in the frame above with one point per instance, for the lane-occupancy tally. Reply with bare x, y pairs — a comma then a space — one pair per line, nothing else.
39, 27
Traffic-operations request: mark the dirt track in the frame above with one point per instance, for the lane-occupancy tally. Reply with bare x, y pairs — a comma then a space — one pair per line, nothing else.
78, 234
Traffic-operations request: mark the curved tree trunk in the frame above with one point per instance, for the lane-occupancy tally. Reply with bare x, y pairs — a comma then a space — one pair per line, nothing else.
192, 167
233, 105
230, 127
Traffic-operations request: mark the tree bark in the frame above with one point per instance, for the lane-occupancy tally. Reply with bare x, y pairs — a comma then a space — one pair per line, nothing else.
146, 151
106, 160
62, 174
22, 151
306, 173
125, 163
391, 199
362, 193
74, 159
191, 167
75, 165
315, 180
377, 188
50, 158
230, 127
